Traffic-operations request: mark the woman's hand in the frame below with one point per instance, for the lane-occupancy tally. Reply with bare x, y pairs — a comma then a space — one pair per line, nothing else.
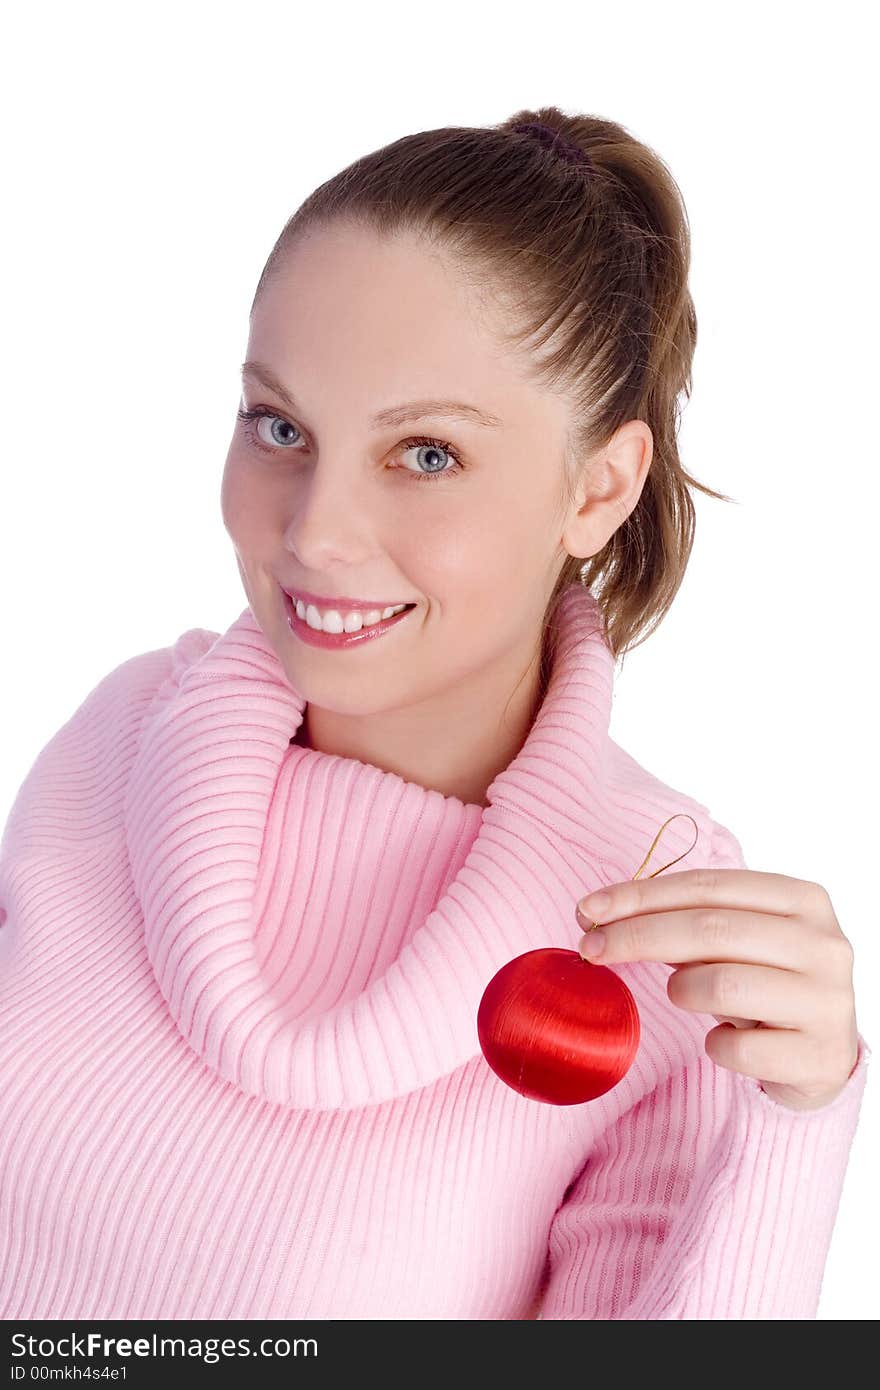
763, 953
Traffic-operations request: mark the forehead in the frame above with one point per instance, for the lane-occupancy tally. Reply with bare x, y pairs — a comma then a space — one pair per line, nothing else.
387, 319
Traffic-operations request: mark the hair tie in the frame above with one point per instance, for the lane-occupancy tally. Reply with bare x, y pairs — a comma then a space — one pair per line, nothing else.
556, 142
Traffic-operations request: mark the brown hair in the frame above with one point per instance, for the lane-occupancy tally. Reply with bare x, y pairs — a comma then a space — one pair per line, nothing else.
592, 262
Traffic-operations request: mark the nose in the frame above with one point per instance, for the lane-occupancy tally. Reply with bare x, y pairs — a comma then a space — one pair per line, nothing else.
330, 518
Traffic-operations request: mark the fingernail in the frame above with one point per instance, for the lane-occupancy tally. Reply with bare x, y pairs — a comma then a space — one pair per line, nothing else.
593, 905
592, 944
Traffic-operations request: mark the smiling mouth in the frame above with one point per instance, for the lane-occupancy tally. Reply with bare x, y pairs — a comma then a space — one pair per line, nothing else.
339, 622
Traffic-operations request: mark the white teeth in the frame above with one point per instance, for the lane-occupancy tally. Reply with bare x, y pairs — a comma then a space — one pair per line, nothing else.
332, 620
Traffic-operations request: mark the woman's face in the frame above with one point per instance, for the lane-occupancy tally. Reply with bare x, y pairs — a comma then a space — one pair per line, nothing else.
322, 497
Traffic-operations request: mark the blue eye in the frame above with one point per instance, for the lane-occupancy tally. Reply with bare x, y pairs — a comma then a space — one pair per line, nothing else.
435, 446
252, 418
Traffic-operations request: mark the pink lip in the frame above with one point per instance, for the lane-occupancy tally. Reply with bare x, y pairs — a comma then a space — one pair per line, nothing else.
314, 637
342, 605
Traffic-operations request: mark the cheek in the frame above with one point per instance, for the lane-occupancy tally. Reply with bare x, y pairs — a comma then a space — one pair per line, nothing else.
230, 489
459, 548
240, 502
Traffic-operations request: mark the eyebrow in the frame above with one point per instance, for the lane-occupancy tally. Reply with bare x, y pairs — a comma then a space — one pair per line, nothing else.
391, 415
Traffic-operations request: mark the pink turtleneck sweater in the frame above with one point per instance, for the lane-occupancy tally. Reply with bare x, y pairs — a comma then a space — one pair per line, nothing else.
239, 1067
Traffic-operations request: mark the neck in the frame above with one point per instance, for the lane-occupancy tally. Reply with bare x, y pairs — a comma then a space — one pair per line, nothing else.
458, 754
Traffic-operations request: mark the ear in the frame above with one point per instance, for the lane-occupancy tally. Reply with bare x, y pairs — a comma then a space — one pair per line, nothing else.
608, 489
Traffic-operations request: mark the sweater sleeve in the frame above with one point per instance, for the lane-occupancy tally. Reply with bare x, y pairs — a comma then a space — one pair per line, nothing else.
100, 733
706, 1200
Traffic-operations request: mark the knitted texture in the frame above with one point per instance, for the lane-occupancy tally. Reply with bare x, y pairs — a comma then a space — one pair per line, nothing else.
239, 1067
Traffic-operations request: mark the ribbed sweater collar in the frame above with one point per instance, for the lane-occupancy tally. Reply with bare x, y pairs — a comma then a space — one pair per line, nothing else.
570, 811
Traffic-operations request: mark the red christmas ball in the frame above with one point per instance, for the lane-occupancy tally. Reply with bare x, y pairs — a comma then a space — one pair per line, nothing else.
558, 1028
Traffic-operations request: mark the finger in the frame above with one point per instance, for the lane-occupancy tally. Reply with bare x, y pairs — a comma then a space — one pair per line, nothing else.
707, 934
778, 1056
775, 894
775, 998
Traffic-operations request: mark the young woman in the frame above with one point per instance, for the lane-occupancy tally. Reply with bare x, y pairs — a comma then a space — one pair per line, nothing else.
255, 888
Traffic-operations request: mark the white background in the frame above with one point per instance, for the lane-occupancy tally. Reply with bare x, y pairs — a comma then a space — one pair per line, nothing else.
153, 155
